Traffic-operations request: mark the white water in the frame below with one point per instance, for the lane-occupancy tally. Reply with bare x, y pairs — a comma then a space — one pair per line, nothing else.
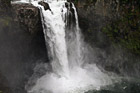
55, 38
71, 71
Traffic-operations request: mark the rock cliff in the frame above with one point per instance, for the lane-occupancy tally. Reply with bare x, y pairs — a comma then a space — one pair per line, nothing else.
112, 51
22, 41
29, 16
22, 45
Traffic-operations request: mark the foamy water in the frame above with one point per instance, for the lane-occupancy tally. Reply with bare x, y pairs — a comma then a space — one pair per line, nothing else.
80, 81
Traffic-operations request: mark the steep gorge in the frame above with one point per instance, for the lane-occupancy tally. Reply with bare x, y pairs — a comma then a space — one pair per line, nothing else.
92, 18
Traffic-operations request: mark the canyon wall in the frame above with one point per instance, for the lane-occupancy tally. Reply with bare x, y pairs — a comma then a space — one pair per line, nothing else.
22, 45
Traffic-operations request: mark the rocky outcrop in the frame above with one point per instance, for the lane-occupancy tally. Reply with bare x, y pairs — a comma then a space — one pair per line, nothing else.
45, 5
29, 16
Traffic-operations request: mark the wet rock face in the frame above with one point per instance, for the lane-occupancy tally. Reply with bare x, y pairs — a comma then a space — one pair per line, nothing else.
46, 5
92, 18
70, 16
28, 16
22, 44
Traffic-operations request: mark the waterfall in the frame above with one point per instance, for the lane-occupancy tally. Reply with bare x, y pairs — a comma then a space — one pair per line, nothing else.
72, 71
54, 32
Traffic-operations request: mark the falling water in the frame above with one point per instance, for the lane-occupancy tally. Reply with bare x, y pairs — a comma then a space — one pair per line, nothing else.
68, 54
54, 31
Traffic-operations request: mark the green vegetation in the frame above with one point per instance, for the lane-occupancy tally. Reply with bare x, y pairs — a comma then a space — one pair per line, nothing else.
126, 30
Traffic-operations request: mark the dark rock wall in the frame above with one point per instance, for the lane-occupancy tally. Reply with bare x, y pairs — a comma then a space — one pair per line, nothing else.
93, 17
29, 16
22, 45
